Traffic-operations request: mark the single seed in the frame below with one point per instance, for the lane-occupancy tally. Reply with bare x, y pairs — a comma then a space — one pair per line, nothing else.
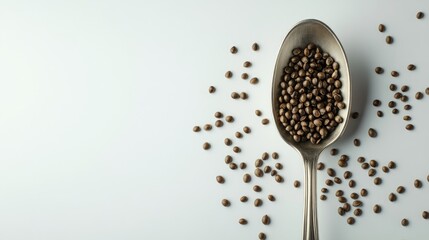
242, 221
279, 166
347, 175
420, 15
226, 203
236, 149
409, 127
254, 80
208, 127
373, 163
347, 207
196, 129
220, 179
228, 159
334, 151
389, 39
339, 193
267, 169
278, 178
395, 111
394, 73
361, 159
376, 103
341, 211
244, 199
357, 203
271, 198
331, 172
419, 95
392, 197
212, 89
379, 113
323, 197
265, 121
265, 156
228, 74
257, 188
372, 172
257, 202
227, 141
273, 172
235, 95
233, 50
352, 183
337, 180
357, 212
377, 181
393, 87
363, 192
244, 95
218, 115
255, 47
406, 118
407, 107
427, 91
411, 67
258, 172
320, 166
418, 183
296, 184
381, 28
400, 189
244, 76
365, 165
238, 135
405, 222
233, 166
354, 195
262, 236
404, 98
266, 220
376, 208
385, 169
329, 182
246, 130
275, 155
206, 146
355, 115
258, 113
344, 157
350, 220
379, 70
229, 119
392, 104
247, 64
247, 178
425, 214
356, 142
372, 132
324, 190
243, 165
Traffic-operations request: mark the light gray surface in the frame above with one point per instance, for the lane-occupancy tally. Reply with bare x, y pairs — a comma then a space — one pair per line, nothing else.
98, 99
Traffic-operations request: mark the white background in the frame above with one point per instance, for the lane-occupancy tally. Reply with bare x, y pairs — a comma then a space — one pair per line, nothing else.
98, 100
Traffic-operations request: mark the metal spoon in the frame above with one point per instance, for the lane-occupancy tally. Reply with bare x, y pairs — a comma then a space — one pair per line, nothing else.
311, 31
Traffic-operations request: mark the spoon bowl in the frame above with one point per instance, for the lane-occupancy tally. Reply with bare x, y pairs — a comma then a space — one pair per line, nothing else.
311, 31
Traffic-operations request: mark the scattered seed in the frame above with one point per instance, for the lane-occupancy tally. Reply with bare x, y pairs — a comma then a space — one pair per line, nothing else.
266, 220
377, 181
394, 73
329, 182
233, 166
392, 104
228, 74
379, 70
395, 111
393, 87
418, 183
392, 197
363, 192
354, 195
331, 172
229, 119
324, 190
372, 132
376, 103
404, 98
337, 180
391, 165
246, 130
212, 89
228, 159
405, 88
273, 172
267, 169
258, 172
406, 118
258, 113
238, 135
357, 212
244, 95
242, 221
385, 169
420, 15
279, 166
361, 159
220, 179
389, 39
278, 178
372, 172
411, 67
357, 203
271, 198
419, 95
409, 127
247, 64
381, 28
296, 184
262, 236
226, 203
427, 91
365, 165
257, 188
342, 163
352, 183
341, 211
236, 149
320, 166
257, 202
400, 189
355, 115
233, 50
373, 163
265, 156
207, 127
356, 142
255, 47
405, 222
351, 220
227, 141
244, 199
376, 208
206, 146
265, 121
254, 80
347, 175
323, 197
196, 129
247, 178
334, 151
275, 155
244, 76
243, 165
339, 193
379, 113
425, 214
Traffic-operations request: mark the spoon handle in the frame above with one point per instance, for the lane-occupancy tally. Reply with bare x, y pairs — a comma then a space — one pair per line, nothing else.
311, 231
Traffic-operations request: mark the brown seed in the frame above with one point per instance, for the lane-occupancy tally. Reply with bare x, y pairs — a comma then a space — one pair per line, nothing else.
376, 103
275, 155
361, 159
206, 146
420, 15
228, 159
278, 178
392, 197
385, 169
228, 74
394, 73
337, 180
271, 198
405, 88
233, 166
406, 118
235, 95
363, 192
419, 95
226, 203
244, 95
391, 165
418, 183
344, 157
229, 119
356, 142
341, 211
238, 135
257, 202
320, 166
357, 203
258, 113
393, 87
246, 130
379, 113
352, 183
379, 70
405, 222
247, 178
357, 212
279, 166
373, 163
207, 127
262, 236
255, 47
395, 111
377, 181
372, 132
244, 199
258, 172
236, 149
296, 184
257, 188
409, 127
265, 121
267, 169
427, 91
331, 172
220, 179
404, 98
376, 208
254, 80
218, 115
324, 190
243, 165
425, 214
372, 172
212, 89
334, 151
342, 163
265, 156
392, 104
196, 129
273, 172
350, 220
389, 39
227, 142
329, 182
397, 95
244, 76
400, 189
381, 28
247, 64
354, 195
266, 220
242, 221
347, 174
339, 193
365, 165
233, 50
355, 115
411, 67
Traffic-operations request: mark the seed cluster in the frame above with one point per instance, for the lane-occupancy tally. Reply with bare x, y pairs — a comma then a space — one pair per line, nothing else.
310, 96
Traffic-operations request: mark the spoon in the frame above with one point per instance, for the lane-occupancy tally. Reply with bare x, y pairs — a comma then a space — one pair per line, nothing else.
311, 31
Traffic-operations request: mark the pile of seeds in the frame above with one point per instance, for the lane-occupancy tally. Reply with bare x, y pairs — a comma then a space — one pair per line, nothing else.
310, 96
